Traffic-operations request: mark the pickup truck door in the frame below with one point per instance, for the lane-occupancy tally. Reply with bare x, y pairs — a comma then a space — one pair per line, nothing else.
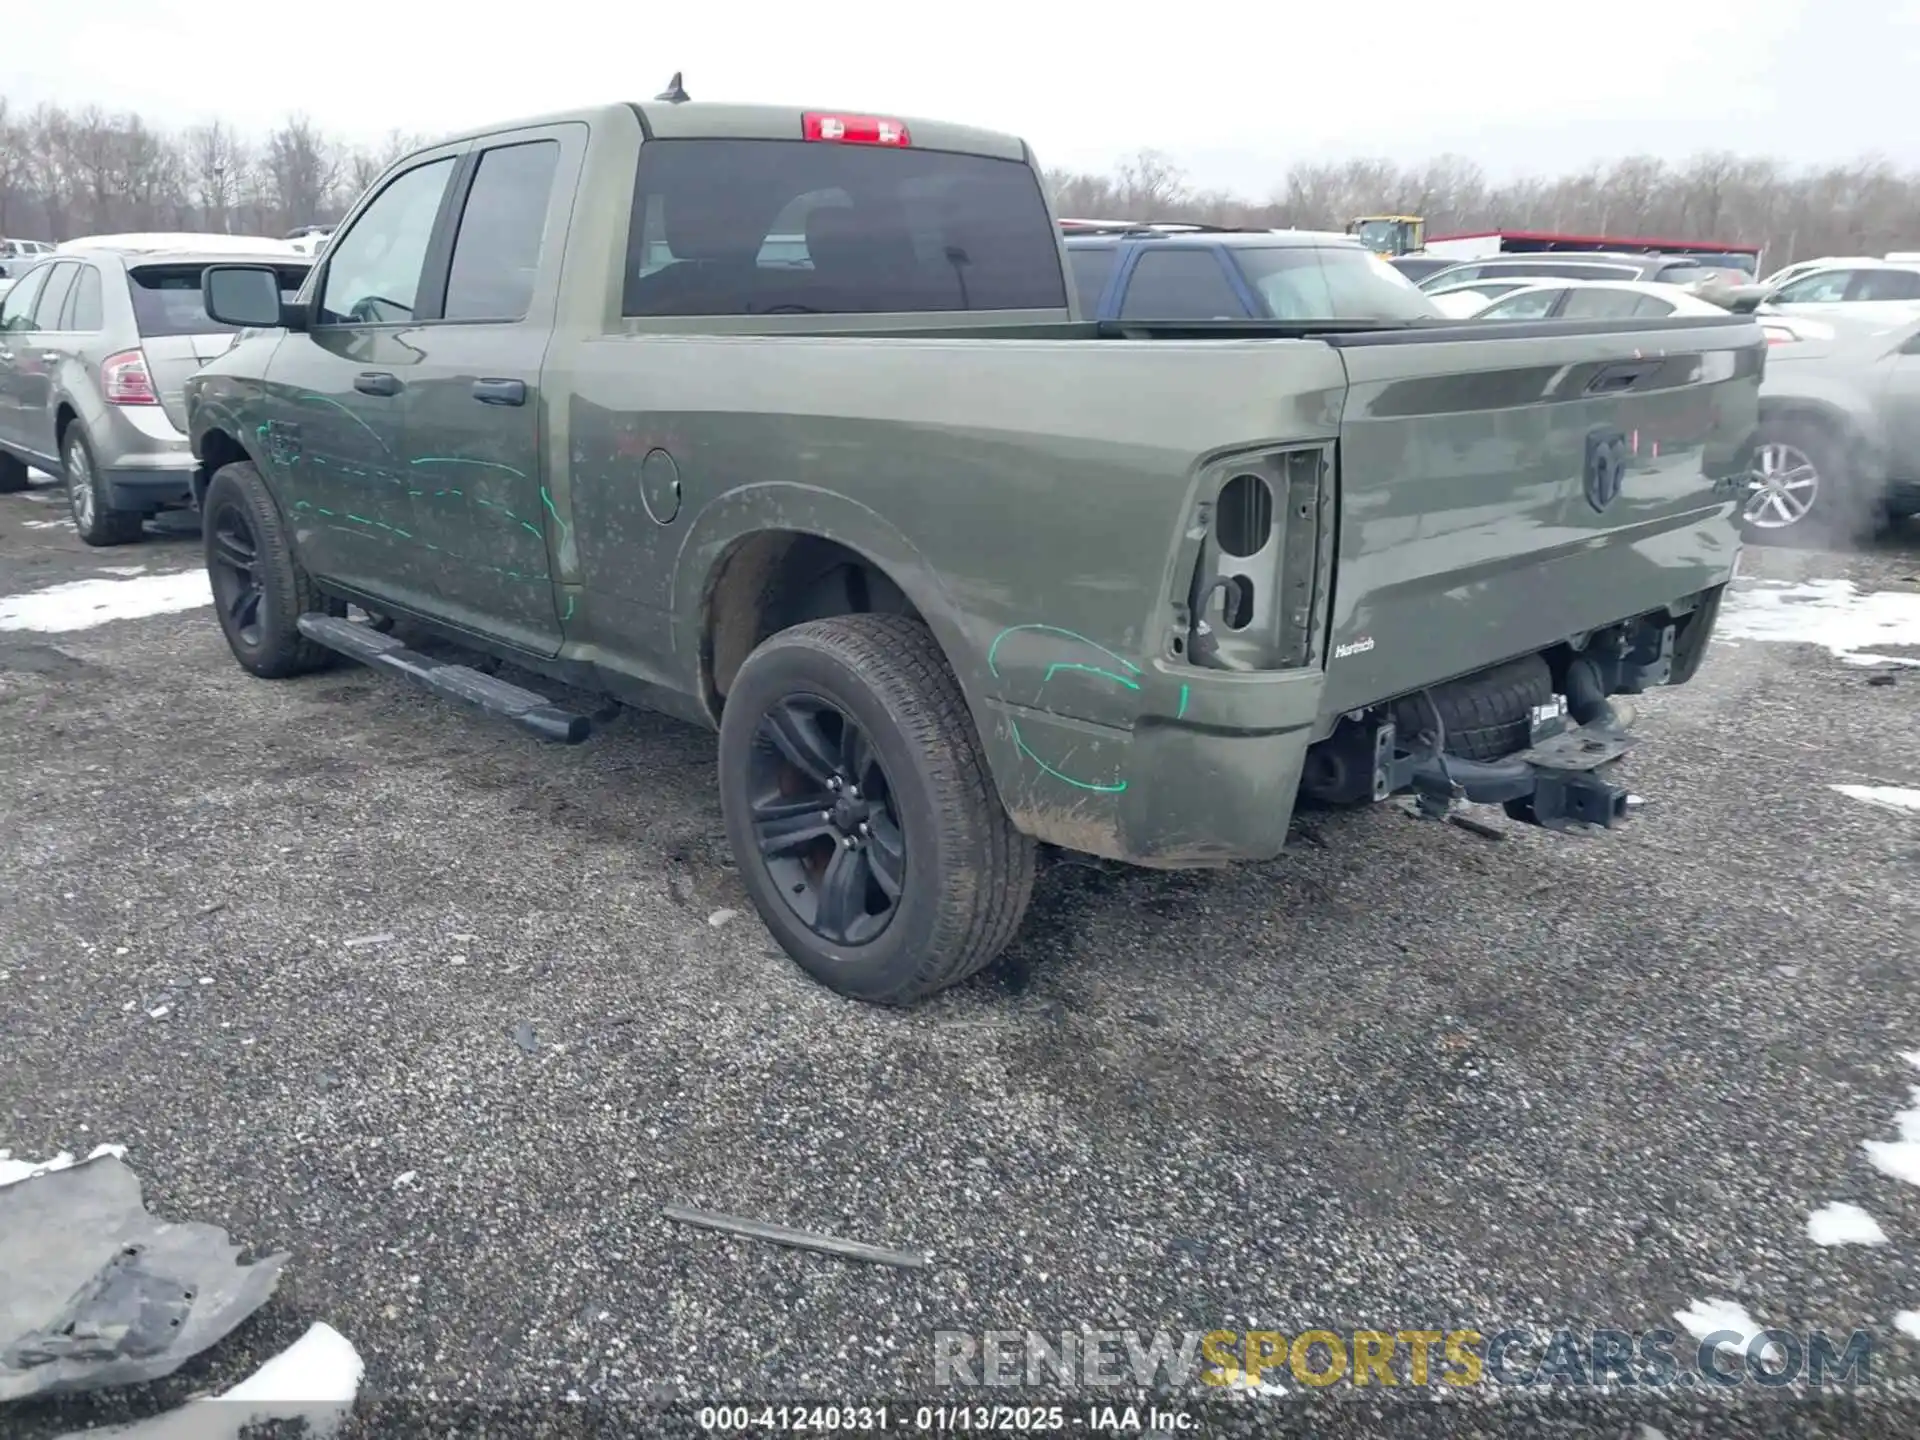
474, 411
334, 446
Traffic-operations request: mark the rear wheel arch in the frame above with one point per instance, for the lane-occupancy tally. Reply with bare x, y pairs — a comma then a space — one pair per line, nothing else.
64, 416
770, 580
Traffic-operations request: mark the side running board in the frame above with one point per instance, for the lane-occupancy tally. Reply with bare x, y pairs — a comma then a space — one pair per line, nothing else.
531, 711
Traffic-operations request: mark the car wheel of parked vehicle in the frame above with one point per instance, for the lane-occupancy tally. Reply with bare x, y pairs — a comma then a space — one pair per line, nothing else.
13, 475
1802, 490
861, 811
96, 521
259, 590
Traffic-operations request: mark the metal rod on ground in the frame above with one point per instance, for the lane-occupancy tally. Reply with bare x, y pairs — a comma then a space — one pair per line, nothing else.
801, 1239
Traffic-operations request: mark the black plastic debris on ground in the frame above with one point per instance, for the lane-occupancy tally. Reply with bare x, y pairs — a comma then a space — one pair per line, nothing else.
99, 1292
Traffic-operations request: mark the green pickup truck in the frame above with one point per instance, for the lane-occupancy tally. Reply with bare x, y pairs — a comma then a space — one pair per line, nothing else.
785, 422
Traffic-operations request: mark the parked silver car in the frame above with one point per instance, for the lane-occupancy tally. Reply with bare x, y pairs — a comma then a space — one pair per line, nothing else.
94, 349
1838, 451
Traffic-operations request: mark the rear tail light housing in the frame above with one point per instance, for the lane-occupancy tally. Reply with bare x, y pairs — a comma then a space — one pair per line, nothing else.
854, 129
125, 379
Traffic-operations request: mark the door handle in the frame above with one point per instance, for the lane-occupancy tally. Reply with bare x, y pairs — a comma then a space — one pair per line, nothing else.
500, 392
1624, 376
376, 382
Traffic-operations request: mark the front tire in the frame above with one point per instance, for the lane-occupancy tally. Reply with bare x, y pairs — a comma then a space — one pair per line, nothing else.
861, 812
94, 518
259, 589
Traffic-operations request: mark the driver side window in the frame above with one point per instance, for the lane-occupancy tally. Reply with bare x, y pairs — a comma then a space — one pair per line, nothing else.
1822, 288
373, 270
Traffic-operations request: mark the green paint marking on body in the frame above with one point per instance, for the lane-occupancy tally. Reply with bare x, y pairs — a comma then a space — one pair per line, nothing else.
1091, 670
467, 460
569, 615
547, 500
323, 510
323, 400
993, 650
531, 529
1060, 775
361, 518
1185, 694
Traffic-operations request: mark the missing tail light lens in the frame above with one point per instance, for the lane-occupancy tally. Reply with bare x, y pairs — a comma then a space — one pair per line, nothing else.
125, 380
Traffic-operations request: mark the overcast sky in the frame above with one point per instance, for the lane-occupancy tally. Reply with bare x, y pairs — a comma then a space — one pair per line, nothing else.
1234, 90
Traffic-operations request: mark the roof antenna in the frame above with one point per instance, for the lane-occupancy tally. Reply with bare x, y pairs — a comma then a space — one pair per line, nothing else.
675, 93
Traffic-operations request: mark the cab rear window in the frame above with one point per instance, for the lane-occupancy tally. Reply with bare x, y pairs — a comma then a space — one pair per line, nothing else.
166, 298
759, 227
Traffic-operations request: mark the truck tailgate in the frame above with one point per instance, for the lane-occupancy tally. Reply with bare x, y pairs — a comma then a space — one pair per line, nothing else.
1502, 491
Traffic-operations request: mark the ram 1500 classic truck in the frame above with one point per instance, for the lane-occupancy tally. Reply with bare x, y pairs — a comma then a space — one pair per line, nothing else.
785, 422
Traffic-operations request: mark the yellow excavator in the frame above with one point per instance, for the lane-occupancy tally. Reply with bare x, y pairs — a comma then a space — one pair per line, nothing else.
1390, 234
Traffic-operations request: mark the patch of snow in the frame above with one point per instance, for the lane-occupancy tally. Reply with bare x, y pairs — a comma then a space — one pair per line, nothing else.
159, 1012
82, 604
1907, 1322
1848, 621
721, 917
381, 939
1886, 797
1898, 1158
1912, 1057
13, 1171
125, 571
405, 1178
47, 524
320, 1368
1844, 1224
1713, 1316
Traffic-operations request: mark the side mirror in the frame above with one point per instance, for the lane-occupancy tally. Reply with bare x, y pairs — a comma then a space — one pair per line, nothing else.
244, 295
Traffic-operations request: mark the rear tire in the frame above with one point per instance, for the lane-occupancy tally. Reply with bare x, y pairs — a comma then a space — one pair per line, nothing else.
13, 474
893, 743
94, 518
1806, 490
259, 589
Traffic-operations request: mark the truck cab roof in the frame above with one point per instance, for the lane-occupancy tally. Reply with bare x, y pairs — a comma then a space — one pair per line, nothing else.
718, 120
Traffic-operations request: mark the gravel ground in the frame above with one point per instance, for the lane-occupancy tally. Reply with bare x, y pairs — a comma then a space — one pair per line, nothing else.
1403, 1077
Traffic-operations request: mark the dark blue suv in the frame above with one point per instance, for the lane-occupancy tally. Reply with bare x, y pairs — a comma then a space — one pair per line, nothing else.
1198, 272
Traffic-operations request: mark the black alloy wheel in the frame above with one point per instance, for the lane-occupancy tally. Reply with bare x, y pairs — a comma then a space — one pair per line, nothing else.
233, 564
825, 819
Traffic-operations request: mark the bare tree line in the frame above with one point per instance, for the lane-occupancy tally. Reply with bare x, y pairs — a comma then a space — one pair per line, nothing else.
1864, 207
65, 173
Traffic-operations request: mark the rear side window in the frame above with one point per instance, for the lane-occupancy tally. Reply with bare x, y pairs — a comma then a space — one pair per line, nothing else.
166, 298
1528, 305
1304, 282
1180, 285
83, 305
1886, 285
758, 227
1602, 304
1684, 274
497, 253
1092, 267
